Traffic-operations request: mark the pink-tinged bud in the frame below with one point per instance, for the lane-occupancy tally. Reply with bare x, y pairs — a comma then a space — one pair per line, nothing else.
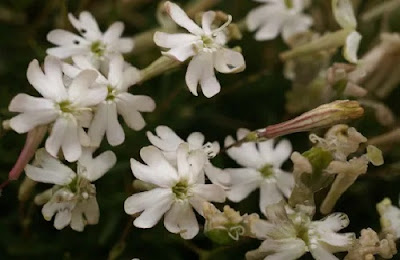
33, 140
320, 117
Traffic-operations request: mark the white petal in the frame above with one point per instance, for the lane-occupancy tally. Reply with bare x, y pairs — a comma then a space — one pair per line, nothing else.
180, 17
168, 40
122, 45
25, 122
150, 216
259, 16
285, 182
56, 138
130, 77
209, 83
80, 92
44, 83
98, 126
336, 242
269, 194
281, 153
194, 72
207, 20
67, 51
77, 222
181, 53
351, 47
209, 192
66, 38
166, 139
271, 28
113, 32
25, 103
344, 13
116, 69
91, 211
62, 219
159, 172
296, 25
283, 249
71, 145
190, 163
195, 140
181, 219
143, 200
246, 154
95, 168
320, 253
48, 175
229, 61
128, 106
114, 131
240, 191
334, 222
216, 175
86, 25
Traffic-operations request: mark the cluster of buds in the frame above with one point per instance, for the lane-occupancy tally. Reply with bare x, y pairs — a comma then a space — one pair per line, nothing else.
227, 226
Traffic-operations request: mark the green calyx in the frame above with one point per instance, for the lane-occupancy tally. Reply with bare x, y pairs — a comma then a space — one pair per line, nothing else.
97, 48
180, 190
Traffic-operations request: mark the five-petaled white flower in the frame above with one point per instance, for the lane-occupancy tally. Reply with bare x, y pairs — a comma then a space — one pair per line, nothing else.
262, 170
68, 107
118, 100
179, 188
205, 45
73, 198
289, 236
277, 16
91, 42
168, 142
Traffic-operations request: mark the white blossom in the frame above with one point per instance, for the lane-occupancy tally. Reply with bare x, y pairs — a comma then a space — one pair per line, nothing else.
178, 189
118, 101
168, 142
262, 169
279, 16
67, 107
205, 45
91, 42
72, 200
289, 236
389, 217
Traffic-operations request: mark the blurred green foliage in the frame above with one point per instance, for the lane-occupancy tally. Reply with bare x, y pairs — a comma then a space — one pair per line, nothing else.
251, 99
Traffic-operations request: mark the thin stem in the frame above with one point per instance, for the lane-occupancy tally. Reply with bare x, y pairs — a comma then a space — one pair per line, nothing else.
378, 10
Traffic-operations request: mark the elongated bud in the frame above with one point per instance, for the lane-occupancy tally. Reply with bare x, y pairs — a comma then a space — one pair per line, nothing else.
33, 140
320, 117
323, 116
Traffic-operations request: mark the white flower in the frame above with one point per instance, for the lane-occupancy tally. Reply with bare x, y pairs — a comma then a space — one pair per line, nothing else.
205, 45
277, 16
288, 237
179, 188
118, 101
73, 198
344, 15
262, 162
68, 108
91, 42
168, 142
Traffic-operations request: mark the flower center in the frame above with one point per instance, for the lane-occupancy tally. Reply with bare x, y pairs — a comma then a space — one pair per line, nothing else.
289, 4
66, 107
267, 171
81, 187
112, 93
181, 190
98, 48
